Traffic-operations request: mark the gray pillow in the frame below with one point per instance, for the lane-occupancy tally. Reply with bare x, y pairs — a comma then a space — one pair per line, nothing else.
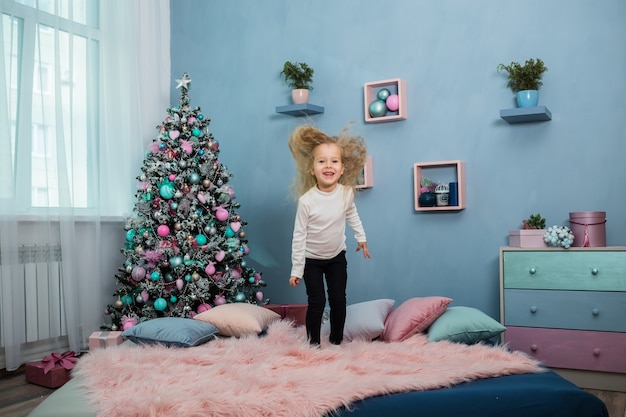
171, 332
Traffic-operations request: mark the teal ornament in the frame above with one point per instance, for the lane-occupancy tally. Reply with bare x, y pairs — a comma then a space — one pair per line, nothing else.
176, 261
188, 277
200, 116
160, 304
378, 108
129, 245
147, 196
173, 299
174, 205
127, 299
155, 275
229, 232
194, 178
251, 280
166, 189
240, 297
130, 235
383, 94
201, 239
169, 278
196, 132
201, 152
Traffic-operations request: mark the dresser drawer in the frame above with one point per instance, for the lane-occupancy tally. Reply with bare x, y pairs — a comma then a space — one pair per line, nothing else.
583, 310
565, 270
572, 349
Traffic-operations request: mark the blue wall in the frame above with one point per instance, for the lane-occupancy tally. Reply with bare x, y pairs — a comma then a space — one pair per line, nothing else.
447, 51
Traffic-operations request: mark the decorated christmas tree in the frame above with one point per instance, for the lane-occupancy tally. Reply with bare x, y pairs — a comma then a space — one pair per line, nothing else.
185, 243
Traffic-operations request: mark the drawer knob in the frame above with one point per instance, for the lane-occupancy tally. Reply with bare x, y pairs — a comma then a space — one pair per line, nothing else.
596, 352
595, 311
532, 271
533, 309
594, 271
534, 347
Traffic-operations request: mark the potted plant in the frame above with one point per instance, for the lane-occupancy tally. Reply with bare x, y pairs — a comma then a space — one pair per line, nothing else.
531, 234
298, 76
525, 80
427, 197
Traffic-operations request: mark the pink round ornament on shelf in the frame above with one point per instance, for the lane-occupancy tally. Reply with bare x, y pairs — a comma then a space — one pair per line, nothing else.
393, 102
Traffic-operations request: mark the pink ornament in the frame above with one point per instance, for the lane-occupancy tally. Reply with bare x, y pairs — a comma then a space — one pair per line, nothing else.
235, 273
172, 177
186, 146
138, 273
259, 296
393, 102
191, 120
210, 269
219, 300
174, 134
235, 226
128, 325
221, 214
163, 230
201, 198
203, 307
219, 256
145, 295
257, 277
179, 284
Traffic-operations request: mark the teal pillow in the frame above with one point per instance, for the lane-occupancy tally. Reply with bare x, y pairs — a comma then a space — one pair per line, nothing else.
171, 332
464, 325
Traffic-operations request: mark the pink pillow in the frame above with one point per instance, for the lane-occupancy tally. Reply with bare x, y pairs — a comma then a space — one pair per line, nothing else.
413, 316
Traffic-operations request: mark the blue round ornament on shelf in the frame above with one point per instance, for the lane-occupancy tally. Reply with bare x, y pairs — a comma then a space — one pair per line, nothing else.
383, 94
378, 108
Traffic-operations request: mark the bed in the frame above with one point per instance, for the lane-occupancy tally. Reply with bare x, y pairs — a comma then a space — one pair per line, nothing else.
259, 365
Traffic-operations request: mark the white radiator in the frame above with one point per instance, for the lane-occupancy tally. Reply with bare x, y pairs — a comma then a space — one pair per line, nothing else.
40, 271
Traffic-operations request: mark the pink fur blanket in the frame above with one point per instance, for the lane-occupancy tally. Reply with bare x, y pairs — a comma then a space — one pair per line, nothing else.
279, 374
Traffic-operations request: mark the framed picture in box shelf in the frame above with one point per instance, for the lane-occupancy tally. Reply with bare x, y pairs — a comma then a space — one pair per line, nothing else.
385, 101
447, 172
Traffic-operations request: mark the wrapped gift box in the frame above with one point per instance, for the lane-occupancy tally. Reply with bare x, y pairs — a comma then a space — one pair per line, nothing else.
52, 371
295, 312
104, 339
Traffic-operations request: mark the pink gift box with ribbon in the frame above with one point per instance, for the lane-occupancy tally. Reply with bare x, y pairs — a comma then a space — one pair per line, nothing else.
104, 339
52, 371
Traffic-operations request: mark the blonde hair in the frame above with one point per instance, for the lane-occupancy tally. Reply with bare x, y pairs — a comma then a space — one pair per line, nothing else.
304, 139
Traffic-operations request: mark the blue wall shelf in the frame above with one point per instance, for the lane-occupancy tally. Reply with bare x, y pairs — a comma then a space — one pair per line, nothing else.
526, 114
305, 109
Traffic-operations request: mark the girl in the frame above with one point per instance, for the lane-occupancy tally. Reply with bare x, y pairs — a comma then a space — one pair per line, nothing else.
325, 185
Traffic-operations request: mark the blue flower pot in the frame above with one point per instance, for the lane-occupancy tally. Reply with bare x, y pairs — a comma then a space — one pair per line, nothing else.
427, 199
527, 98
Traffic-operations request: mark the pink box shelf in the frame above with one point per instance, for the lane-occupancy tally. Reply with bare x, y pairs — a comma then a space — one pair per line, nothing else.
395, 86
458, 175
366, 180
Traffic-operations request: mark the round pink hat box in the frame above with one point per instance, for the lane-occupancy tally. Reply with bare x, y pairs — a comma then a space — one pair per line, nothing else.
589, 228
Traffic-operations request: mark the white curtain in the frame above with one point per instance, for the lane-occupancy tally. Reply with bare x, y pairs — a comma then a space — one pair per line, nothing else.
131, 67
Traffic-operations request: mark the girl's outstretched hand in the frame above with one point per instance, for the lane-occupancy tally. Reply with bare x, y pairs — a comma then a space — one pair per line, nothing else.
363, 245
293, 281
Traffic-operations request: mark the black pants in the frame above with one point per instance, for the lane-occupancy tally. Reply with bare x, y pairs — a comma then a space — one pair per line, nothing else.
335, 271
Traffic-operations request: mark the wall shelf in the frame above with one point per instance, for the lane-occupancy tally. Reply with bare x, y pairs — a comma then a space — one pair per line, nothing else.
298, 110
395, 86
456, 174
366, 179
526, 114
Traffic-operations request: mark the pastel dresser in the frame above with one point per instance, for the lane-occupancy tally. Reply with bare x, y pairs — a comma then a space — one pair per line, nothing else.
567, 308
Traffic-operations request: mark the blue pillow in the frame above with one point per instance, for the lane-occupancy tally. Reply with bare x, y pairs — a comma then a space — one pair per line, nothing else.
171, 332
464, 325
365, 320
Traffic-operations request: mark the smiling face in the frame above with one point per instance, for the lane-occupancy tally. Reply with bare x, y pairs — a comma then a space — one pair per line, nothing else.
327, 166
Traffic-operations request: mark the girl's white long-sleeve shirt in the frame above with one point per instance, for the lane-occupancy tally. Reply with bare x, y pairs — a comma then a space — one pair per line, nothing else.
320, 226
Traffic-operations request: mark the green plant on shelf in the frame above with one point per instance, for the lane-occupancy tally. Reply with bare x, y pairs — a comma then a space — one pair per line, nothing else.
524, 77
534, 221
298, 75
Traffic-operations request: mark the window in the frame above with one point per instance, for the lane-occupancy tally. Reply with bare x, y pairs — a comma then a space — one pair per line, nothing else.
50, 54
